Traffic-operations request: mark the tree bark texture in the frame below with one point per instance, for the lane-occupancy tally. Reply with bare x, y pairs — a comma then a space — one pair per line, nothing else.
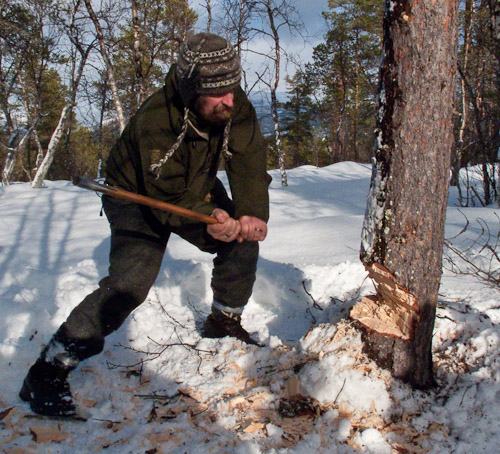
404, 222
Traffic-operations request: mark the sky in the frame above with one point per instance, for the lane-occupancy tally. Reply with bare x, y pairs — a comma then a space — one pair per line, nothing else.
300, 47
159, 388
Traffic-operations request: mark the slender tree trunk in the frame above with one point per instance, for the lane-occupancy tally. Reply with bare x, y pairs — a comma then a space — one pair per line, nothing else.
109, 66
457, 155
274, 101
356, 100
403, 232
65, 116
51, 149
208, 7
277, 138
12, 154
34, 133
495, 32
138, 53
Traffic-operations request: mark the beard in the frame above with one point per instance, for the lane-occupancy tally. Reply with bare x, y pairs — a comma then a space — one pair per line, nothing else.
221, 115
217, 116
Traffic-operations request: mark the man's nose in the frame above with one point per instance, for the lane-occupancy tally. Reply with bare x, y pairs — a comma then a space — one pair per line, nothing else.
228, 99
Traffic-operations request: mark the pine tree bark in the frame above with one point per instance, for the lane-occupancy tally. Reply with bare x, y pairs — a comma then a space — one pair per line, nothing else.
403, 232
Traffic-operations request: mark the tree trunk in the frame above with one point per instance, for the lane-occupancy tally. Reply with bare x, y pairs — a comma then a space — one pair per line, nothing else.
109, 66
277, 138
11, 158
65, 114
51, 149
274, 87
403, 231
456, 160
495, 32
138, 53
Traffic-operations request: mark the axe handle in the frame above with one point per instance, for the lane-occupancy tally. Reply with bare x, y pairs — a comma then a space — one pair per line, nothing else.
142, 200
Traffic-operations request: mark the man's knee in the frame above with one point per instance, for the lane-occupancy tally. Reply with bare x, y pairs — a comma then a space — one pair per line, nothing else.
242, 255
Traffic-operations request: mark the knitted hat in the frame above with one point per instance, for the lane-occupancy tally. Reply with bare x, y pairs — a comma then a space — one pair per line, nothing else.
207, 65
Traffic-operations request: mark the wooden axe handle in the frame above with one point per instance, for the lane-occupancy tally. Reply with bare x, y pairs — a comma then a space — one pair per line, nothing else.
142, 200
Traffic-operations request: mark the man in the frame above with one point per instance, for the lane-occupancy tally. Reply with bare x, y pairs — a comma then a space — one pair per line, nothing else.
171, 150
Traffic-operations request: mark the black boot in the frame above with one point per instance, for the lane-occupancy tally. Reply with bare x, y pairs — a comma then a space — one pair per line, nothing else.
46, 386
221, 324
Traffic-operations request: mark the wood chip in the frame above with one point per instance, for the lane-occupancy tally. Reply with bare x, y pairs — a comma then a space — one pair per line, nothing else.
26, 450
292, 387
159, 438
237, 367
42, 434
237, 402
353, 444
436, 427
254, 427
6, 416
88, 403
372, 421
406, 448
344, 411
190, 392
258, 399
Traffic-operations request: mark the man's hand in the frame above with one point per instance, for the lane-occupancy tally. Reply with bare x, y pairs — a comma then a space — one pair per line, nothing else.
227, 229
252, 229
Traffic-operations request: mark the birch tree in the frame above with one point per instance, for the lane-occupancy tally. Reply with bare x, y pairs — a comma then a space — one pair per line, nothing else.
28, 42
148, 45
78, 58
108, 64
237, 26
403, 232
276, 16
13, 149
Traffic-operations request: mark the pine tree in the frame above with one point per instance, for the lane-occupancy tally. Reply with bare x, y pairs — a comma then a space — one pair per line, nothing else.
297, 120
403, 232
346, 68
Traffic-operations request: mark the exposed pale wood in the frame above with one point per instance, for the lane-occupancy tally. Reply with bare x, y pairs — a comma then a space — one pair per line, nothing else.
393, 311
292, 387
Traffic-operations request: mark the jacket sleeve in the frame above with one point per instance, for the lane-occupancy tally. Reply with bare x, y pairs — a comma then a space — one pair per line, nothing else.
246, 169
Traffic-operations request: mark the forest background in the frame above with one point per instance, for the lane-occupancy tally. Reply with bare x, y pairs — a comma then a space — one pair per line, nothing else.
74, 71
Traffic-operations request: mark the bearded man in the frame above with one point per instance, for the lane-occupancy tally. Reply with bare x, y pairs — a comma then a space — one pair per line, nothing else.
171, 150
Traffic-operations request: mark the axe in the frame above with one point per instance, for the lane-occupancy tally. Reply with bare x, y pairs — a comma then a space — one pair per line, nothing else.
113, 191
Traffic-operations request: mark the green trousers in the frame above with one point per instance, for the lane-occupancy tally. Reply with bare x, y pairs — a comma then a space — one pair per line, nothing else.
137, 248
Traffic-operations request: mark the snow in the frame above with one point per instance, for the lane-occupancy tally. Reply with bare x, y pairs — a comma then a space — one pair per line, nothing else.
160, 388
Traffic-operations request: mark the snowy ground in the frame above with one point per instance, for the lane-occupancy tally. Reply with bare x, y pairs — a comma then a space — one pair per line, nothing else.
159, 388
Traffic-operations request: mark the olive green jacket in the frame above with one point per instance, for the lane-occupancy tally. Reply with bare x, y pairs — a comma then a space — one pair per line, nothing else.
189, 175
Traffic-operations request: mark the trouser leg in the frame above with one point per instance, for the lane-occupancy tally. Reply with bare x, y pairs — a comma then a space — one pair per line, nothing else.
234, 268
234, 272
235, 264
135, 258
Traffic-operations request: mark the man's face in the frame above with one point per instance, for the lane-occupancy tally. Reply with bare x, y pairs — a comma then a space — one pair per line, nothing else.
215, 110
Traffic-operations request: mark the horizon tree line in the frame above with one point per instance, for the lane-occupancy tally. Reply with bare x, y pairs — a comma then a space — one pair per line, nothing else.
72, 74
